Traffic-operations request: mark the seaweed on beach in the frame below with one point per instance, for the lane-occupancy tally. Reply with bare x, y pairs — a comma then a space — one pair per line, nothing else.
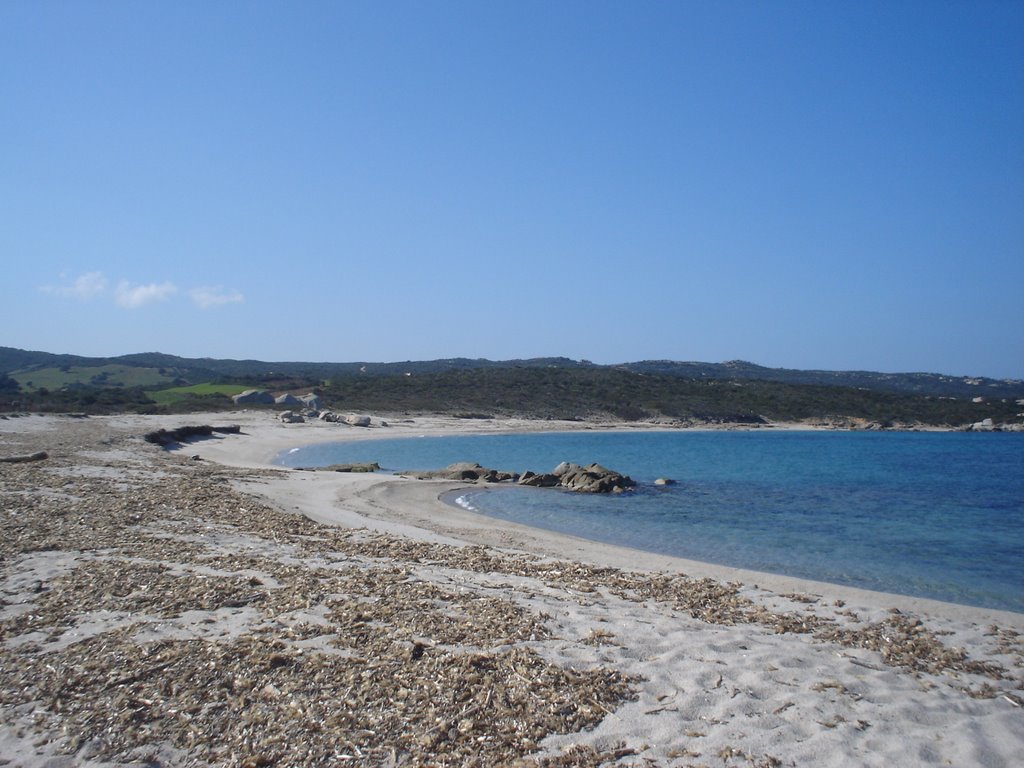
150, 605
904, 641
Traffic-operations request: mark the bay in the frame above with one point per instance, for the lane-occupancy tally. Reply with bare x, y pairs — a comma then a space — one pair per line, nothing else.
931, 514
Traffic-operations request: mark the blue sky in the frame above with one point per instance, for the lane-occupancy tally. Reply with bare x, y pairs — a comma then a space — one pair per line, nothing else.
812, 185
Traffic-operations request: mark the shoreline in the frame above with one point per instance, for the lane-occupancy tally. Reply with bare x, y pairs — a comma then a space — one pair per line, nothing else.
254, 598
481, 529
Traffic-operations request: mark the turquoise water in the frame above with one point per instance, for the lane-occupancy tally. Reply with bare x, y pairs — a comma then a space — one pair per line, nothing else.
937, 515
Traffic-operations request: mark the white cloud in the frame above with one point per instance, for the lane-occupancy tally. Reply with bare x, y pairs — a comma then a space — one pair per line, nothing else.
215, 297
134, 296
86, 286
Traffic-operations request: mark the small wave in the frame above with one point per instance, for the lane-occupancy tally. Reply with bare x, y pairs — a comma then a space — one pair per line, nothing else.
463, 501
293, 450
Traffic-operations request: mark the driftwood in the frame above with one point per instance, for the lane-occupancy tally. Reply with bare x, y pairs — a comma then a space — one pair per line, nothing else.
181, 434
37, 456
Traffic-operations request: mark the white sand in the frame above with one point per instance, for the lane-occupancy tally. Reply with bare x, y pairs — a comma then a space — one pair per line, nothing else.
739, 687
708, 694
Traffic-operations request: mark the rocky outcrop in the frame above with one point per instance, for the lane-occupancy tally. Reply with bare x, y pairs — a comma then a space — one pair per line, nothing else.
988, 425
592, 478
351, 419
310, 401
462, 470
254, 397
357, 468
287, 399
541, 480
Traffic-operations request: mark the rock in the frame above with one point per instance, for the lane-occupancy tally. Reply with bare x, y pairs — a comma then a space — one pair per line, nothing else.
543, 480
254, 397
287, 399
664, 481
595, 478
357, 421
356, 468
311, 401
290, 417
461, 470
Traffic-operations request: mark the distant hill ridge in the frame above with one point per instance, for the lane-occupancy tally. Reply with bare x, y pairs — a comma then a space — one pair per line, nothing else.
193, 370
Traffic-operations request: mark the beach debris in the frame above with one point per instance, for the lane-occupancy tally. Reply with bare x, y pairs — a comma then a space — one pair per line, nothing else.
175, 609
24, 458
169, 437
904, 641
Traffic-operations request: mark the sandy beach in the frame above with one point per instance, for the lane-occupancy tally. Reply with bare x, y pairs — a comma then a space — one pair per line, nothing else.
198, 606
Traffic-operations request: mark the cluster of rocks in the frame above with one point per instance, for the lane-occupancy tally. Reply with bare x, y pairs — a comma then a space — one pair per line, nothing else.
987, 425
262, 397
351, 419
592, 478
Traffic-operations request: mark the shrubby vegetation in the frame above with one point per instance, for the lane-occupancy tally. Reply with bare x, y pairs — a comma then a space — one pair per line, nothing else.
83, 399
555, 388
612, 393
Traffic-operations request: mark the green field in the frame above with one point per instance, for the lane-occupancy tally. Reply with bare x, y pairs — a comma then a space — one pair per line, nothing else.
95, 376
174, 395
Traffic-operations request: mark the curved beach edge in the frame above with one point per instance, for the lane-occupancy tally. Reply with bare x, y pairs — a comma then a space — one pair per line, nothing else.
414, 508
725, 667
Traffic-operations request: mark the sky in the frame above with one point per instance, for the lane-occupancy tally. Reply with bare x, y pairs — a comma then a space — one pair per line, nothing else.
824, 185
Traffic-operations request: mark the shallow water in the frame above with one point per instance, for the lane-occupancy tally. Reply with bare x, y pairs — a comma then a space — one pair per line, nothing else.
938, 515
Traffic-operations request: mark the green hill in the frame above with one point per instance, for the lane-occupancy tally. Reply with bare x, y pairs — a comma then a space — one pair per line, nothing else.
557, 387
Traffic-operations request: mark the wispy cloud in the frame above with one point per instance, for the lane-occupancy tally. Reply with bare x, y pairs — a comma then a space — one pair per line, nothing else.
215, 297
128, 295
134, 296
86, 286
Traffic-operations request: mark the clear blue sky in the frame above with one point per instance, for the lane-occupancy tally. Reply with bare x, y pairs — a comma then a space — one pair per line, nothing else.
834, 185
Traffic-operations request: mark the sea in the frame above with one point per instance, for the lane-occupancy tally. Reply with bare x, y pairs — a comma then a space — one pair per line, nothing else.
928, 514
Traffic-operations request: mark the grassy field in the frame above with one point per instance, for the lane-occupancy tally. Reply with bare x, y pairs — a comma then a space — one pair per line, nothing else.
98, 376
174, 395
